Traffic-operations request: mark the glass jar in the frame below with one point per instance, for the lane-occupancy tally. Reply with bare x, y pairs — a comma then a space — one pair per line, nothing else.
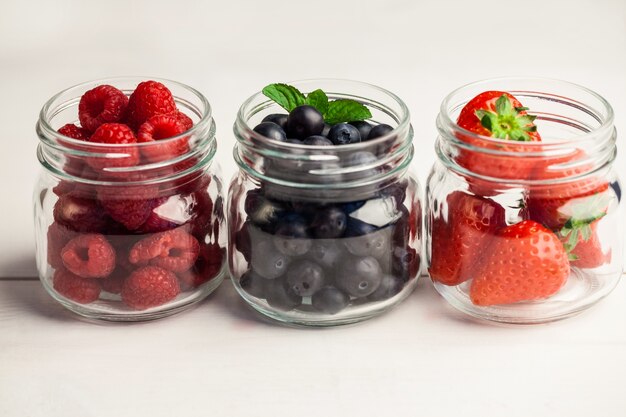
128, 232
526, 232
281, 262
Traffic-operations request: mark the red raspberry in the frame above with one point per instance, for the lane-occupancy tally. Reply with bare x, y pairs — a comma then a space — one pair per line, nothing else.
79, 214
72, 131
150, 98
165, 215
113, 283
118, 134
175, 250
149, 286
58, 236
103, 104
89, 256
129, 205
184, 119
159, 129
81, 290
207, 266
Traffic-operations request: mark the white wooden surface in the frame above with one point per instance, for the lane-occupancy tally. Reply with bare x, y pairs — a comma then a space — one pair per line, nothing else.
220, 359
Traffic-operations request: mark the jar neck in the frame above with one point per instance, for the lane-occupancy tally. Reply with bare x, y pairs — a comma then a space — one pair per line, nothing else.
576, 126
307, 171
101, 164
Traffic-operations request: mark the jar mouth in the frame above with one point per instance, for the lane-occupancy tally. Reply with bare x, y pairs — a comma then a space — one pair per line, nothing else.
248, 109
56, 149
580, 98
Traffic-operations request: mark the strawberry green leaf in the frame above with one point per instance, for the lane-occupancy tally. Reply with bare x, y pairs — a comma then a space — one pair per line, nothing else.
346, 110
319, 100
286, 96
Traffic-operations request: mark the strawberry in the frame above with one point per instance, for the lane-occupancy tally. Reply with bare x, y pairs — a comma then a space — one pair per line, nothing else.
585, 248
497, 115
525, 262
458, 243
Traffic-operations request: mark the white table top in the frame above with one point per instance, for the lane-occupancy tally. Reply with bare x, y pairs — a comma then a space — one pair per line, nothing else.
219, 359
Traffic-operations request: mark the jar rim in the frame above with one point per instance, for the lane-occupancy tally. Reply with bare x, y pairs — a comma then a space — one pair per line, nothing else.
49, 131
444, 119
241, 122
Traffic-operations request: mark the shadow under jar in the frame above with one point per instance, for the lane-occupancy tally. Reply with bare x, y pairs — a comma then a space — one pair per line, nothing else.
114, 219
526, 232
325, 235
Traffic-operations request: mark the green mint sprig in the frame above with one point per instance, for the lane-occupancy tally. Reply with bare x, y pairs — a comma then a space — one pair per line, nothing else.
336, 111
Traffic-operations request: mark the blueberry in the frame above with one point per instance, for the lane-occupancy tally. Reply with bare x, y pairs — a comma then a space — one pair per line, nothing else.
261, 210
352, 206
326, 130
405, 262
389, 286
397, 191
361, 158
242, 241
271, 130
278, 295
343, 134
291, 236
305, 121
325, 253
363, 128
304, 278
330, 300
266, 260
317, 140
279, 118
253, 284
378, 131
329, 223
359, 276
375, 242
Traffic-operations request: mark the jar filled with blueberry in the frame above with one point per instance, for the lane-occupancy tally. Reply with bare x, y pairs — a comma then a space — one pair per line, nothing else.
324, 216
128, 206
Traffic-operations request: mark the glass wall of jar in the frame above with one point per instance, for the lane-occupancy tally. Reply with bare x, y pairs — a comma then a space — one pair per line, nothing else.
526, 231
325, 235
129, 232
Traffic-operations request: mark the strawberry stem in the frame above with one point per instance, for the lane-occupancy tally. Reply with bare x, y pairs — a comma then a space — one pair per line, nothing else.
507, 122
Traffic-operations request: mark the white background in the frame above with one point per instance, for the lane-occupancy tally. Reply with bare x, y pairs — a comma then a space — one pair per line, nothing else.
219, 359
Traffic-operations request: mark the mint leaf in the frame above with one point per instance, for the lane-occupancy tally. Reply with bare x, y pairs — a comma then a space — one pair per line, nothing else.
319, 100
345, 110
286, 96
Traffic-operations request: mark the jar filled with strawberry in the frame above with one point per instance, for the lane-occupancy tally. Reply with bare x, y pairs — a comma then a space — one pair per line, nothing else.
523, 203
128, 206
324, 217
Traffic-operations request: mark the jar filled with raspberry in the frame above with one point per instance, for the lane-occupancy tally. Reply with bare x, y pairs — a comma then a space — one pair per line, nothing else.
324, 216
128, 206
523, 215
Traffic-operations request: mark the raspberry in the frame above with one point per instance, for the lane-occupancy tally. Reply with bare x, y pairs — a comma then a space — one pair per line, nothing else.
113, 283
103, 104
207, 266
175, 250
203, 209
79, 214
150, 98
162, 127
149, 286
81, 290
118, 134
164, 216
58, 236
72, 131
184, 119
129, 205
89, 256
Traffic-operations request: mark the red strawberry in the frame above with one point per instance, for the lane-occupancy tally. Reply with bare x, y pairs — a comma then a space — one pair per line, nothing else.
586, 251
525, 262
459, 242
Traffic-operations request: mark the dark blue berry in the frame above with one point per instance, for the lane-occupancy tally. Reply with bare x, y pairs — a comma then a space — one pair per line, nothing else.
317, 140
304, 121
279, 118
344, 134
363, 239
304, 278
397, 191
261, 210
266, 260
359, 276
389, 286
405, 262
352, 206
329, 223
330, 300
278, 295
361, 158
291, 235
378, 131
271, 130
363, 128
242, 241
326, 253
253, 284
356, 227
